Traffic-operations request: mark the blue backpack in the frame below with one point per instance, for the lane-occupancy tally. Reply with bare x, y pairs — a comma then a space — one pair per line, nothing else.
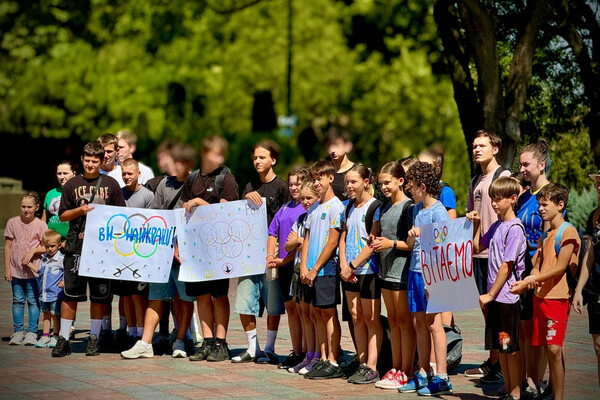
571, 280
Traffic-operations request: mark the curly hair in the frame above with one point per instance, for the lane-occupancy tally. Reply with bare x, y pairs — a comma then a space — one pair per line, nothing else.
422, 173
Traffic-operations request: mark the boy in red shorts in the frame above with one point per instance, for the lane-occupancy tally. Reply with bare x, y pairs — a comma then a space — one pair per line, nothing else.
553, 264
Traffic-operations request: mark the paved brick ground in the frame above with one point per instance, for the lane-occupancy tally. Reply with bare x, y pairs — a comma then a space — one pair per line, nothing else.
27, 372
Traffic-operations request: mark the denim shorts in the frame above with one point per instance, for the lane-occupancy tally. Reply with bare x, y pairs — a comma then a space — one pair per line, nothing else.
166, 291
417, 301
52, 306
255, 292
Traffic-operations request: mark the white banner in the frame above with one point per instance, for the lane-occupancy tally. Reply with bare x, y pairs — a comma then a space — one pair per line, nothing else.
222, 241
447, 265
131, 244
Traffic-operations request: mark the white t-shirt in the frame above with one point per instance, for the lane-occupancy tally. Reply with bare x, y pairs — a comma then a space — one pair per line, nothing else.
116, 174
145, 173
320, 220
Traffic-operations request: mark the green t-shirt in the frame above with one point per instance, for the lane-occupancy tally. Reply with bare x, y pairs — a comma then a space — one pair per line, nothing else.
51, 205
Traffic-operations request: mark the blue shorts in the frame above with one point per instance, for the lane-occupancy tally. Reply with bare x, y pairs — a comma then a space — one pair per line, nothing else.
417, 301
254, 292
51, 306
166, 291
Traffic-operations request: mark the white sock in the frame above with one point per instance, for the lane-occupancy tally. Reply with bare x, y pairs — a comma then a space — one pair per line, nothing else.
433, 368
140, 331
271, 336
132, 330
423, 374
443, 376
148, 345
106, 323
253, 346
333, 363
65, 327
96, 325
122, 322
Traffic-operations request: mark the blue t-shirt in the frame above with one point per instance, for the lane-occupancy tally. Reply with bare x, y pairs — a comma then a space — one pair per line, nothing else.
320, 220
357, 230
530, 216
437, 212
448, 198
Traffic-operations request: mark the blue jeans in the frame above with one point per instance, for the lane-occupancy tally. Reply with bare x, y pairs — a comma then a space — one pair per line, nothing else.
25, 290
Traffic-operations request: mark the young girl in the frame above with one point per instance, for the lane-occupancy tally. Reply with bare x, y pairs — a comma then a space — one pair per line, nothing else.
394, 251
65, 170
446, 196
280, 229
295, 240
24, 233
359, 267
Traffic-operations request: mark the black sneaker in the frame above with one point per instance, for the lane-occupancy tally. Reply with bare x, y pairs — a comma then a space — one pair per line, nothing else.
291, 360
203, 351
122, 340
317, 367
106, 341
494, 375
350, 367
368, 376
480, 371
220, 352
268, 358
93, 346
328, 371
62, 348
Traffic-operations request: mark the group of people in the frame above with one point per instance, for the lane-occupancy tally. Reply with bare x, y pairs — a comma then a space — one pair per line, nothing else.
331, 242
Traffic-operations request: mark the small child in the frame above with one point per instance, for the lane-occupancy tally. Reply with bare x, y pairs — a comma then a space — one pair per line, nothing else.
506, 263
424, 185
554, 265
50, 283
22, 234
294, 243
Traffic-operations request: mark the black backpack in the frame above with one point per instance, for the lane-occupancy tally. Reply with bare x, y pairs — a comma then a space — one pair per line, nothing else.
370, 213
497, 173
190, 179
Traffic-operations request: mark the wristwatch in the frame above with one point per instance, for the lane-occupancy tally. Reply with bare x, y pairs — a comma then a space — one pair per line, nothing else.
352, 267
395, 244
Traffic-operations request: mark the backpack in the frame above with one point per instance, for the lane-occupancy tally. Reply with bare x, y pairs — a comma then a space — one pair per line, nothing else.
497, 173
190, 179
571, 280
514, 266
454, 346
368, 217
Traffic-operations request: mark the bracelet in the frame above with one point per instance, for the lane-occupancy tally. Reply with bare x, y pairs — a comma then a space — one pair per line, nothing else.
352, 267
395, 244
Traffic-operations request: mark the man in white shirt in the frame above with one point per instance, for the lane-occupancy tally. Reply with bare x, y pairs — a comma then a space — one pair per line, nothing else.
125, 149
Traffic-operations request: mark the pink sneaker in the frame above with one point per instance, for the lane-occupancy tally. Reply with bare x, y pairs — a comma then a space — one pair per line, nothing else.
389, 380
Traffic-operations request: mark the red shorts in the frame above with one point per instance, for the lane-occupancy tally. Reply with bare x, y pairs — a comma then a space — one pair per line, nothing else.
550, 318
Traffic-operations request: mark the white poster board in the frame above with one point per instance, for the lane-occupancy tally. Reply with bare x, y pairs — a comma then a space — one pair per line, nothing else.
131, 244
222, 241
447, 265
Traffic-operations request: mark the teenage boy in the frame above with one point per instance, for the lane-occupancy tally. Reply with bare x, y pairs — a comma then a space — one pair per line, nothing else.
318, 269
506, 262
109, 165
251, 289
165, 163
424, 185
486, 146
127, 142
167, 197
554, 266
78, 193
135, 194
212, 184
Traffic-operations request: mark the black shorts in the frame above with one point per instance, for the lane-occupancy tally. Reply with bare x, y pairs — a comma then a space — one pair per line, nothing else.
594, 317
285, 275
527, 304
502, 323
217, 288
305, 292
367, 285
394, 286
324, 292
76, 286
129, 288
480, 268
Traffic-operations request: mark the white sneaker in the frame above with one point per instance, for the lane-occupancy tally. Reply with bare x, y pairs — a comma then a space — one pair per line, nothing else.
17, 338
52, 343
139, 350
179, 349
43, 342
30, 339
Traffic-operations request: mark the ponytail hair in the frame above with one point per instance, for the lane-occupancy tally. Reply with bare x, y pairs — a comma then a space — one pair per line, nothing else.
365, 173
540, 151
395, 169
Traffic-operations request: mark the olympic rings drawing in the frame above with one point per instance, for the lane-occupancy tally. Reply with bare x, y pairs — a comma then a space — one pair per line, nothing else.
440, 236
136, 243
226, 240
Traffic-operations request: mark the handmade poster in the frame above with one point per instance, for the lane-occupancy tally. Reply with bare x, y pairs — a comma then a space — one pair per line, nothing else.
222, 241
131, 244
447, 264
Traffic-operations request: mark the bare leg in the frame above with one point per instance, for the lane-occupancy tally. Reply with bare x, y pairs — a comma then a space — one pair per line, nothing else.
360, 329
140, 303
294, 325
221, 309
206, 314
557, 370
46, 323
152, 317
423, 340
390, 299
333, 332
596, 339
370, 310
439, 341
309, 327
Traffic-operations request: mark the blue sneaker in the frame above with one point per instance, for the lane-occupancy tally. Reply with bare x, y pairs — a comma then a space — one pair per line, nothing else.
436, 387
416, 383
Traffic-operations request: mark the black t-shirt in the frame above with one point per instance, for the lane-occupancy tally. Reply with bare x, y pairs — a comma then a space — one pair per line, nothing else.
593, 231
153, 183
203, 187
78, 191
339, 184
276, 192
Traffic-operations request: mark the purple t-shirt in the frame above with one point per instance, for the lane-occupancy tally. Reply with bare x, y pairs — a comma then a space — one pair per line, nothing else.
282, 223
506, 242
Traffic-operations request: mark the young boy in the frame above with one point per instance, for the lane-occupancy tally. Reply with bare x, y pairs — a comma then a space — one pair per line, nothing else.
338, 145
252, 288
486, 146
78, 193
318, 269
555, 260
50, 284
167, 197
213, 184
109, 165
506, 262
424, 185
127, 142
